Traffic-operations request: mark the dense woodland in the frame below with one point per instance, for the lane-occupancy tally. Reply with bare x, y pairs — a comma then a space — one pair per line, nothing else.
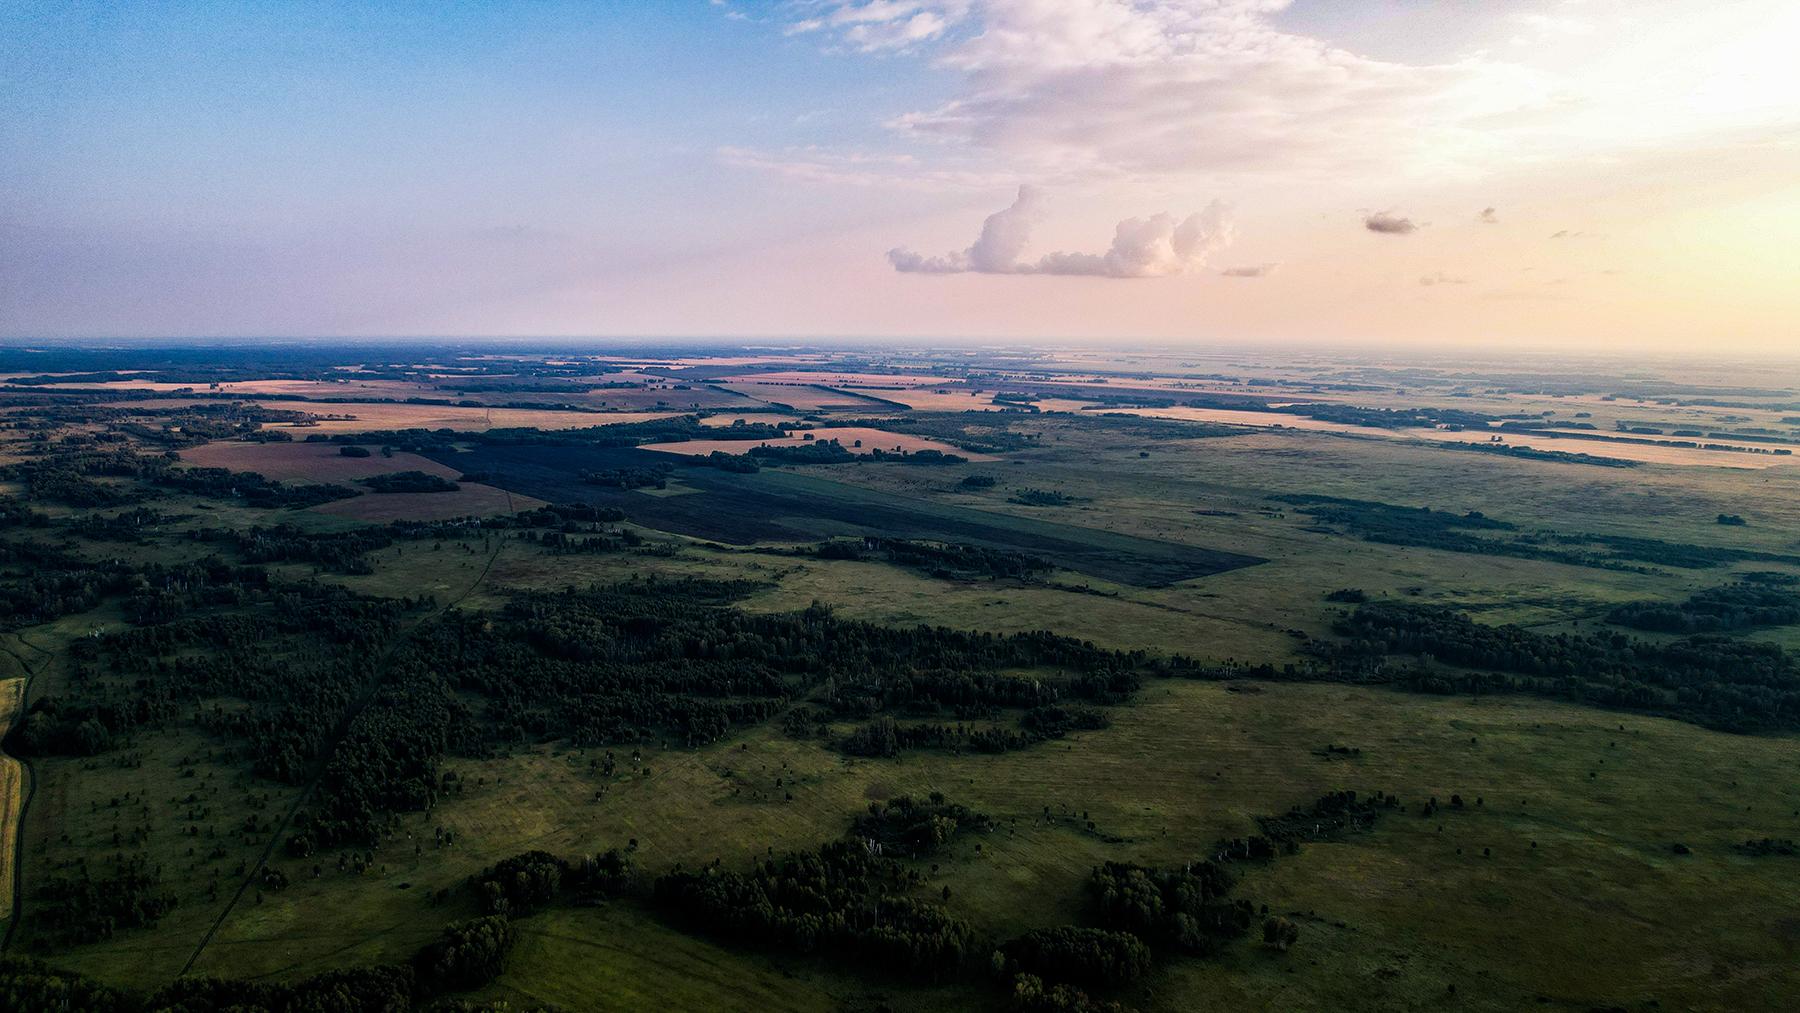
1722, 682
1477, 533
1741, 606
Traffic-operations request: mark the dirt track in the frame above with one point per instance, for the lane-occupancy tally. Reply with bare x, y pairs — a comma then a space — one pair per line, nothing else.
12, 792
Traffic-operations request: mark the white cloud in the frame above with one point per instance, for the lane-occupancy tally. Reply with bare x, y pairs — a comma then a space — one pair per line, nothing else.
1126, 87
1154, 247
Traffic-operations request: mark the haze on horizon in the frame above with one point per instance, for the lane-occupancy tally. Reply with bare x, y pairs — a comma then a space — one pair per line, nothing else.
1587, 175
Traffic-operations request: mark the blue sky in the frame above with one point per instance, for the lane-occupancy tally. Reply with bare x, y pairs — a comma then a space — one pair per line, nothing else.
728, 168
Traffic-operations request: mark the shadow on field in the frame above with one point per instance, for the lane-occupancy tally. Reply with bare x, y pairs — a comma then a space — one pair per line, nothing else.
772, 505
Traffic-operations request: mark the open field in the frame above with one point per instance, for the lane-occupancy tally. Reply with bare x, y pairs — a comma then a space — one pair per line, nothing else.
1558, 884
308, 462
322, 462
777, 505
1396, 915
375, 416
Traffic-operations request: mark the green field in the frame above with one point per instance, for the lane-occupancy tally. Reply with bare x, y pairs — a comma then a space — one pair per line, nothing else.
1563, 887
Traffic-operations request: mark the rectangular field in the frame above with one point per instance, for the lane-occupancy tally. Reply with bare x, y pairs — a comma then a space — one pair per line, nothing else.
779, 506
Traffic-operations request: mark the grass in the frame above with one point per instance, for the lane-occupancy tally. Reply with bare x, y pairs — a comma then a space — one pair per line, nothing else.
1600, 911
1601, 908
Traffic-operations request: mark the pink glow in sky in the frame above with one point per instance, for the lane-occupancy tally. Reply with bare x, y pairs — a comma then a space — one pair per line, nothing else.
1599, 174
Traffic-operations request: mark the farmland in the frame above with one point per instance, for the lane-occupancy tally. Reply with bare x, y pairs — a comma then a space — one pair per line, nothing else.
289, 695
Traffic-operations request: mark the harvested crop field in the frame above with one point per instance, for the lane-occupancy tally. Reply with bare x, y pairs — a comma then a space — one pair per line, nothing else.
362, 417
472, 499
943, 399
322, 462
782, 506
837, 379
307, 462
871, 439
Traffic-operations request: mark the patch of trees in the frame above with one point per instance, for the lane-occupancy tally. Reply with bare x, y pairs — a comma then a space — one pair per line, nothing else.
468, 955
1740, 606
1533, 454
812, 452
656, 477
1347, 596
1188, 909
741, 464
70, 910
1388, 524
1731, 520
132, 526
916, 828
520, 885
289, 658
1041, 497
1079, 955
337, 551
558, 543
977, 482
352, 450
662, 659
39, 583
70, 478
408, 481
1720, 682
1030, 994
843, 900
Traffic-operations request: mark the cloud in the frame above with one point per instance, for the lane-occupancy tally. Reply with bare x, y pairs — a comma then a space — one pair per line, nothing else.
1388, 223
1488, 217
1440, 278
1154, 247
1250, 271
876, 26
1115, 87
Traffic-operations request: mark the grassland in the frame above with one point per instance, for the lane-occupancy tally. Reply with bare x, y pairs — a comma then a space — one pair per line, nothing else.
1580, 883
1561, 888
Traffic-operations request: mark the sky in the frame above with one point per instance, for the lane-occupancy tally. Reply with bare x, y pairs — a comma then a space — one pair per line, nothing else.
1593, 175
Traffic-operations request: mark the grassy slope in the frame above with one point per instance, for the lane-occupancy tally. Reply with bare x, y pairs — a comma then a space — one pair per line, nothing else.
1600, 911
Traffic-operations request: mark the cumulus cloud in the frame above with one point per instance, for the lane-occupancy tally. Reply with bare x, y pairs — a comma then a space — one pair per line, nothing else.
1152, 247
1440, 278
1488, 217
1388, 223
1250, 271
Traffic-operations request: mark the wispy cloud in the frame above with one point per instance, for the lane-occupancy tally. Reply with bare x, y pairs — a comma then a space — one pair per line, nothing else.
876, 26
1152, 247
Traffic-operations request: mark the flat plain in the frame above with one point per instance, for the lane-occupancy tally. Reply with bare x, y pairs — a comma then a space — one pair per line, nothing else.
1188, 579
